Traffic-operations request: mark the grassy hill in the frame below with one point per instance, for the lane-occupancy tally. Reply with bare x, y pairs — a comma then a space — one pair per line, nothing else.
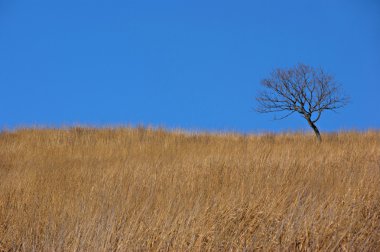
141, 189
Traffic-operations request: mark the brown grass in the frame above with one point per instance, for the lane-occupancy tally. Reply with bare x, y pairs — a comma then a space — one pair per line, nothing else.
142, 189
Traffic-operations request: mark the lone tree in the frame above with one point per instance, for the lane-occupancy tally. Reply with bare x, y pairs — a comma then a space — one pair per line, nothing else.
303, 89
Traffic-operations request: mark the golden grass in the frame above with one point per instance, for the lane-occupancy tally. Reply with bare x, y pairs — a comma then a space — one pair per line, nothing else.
141, 189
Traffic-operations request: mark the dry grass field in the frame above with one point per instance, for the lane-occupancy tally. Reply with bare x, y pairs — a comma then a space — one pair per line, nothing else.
136, 189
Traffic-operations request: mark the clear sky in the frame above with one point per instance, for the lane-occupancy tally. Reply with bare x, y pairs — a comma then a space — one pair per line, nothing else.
193, 64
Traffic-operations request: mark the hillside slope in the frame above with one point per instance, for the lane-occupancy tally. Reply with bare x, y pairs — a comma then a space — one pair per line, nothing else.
142, 189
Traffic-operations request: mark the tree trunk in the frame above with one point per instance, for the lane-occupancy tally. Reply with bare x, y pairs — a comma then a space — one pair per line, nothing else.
316, 131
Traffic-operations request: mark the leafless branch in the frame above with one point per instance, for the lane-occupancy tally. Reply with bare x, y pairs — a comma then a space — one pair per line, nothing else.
303, 89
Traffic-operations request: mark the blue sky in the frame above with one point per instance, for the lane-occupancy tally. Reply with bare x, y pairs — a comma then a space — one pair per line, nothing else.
194, 65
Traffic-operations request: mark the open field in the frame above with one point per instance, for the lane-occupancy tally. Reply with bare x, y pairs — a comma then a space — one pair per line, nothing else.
141, 189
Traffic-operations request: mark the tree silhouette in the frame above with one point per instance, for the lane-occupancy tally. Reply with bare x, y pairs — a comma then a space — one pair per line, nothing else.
303, 89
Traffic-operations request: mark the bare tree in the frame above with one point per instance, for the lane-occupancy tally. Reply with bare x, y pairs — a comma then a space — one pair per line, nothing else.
303, 89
